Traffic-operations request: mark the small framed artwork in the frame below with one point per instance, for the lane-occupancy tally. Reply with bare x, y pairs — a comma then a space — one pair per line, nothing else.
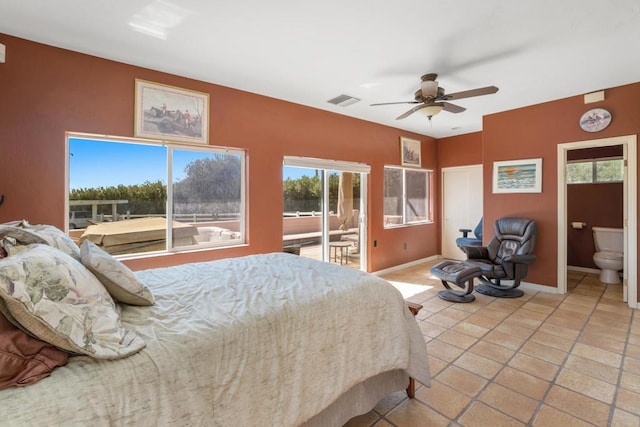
517, 176
410, 152
170, 113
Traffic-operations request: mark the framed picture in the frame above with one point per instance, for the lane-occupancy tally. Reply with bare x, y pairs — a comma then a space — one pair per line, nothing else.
517, 176
410, 152
170, 113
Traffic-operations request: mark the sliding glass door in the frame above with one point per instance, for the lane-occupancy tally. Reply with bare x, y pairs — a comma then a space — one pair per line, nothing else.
324, 210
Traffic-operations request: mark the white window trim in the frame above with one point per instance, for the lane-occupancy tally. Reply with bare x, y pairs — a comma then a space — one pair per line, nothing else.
429, 174
169, 211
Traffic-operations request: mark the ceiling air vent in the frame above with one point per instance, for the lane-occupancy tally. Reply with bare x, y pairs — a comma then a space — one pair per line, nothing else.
343, 100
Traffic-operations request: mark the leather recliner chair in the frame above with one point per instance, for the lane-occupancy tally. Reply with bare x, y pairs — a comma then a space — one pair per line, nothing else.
506, 257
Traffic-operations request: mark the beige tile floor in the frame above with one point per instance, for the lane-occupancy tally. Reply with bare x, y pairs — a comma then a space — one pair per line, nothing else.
539, 360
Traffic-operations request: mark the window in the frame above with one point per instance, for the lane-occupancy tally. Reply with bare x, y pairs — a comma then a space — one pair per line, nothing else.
118, 188
595, 171
407, 196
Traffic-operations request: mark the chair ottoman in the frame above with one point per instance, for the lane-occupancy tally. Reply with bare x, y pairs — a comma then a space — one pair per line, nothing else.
460, 275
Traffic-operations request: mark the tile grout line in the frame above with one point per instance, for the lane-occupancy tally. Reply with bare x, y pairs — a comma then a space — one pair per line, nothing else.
517, 351
568, 353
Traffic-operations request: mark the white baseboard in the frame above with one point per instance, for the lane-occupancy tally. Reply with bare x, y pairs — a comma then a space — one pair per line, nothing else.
409, 264
583, 269
539, 288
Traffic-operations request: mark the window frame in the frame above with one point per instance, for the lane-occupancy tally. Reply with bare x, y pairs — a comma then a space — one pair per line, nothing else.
170, 147
428, 203
594, 170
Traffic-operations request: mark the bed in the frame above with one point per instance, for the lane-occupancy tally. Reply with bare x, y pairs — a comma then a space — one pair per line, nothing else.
272, 339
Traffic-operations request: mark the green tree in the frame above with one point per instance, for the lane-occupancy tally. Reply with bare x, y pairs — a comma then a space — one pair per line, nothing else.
214, 179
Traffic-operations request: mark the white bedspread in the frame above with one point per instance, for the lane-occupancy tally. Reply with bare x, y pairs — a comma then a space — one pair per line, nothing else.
267, 340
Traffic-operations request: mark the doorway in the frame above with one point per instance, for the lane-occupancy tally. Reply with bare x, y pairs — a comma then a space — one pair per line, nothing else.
324, 204
630, 211
461, 205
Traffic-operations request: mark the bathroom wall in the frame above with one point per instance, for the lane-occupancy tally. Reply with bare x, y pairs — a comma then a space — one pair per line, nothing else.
598, 205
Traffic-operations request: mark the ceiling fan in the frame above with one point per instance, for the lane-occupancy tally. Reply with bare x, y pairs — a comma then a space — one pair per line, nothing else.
432, 98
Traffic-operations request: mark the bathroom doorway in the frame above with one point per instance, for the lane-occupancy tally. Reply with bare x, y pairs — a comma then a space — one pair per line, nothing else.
629, 210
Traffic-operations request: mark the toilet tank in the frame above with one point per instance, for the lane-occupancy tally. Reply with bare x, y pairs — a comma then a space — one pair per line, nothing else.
608, 239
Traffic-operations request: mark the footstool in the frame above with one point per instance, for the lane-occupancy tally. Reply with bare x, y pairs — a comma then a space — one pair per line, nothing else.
460, 275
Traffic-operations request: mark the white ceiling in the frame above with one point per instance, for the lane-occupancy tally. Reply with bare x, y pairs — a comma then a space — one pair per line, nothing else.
376, 50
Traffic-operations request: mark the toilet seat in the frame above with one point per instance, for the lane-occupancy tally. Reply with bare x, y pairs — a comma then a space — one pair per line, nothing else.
610, 255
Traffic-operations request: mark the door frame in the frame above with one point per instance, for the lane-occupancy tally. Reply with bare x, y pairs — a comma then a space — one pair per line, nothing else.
442, 192
629, 142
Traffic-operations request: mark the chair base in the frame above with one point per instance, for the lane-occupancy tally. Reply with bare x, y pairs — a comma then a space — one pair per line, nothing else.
455, 297
499, 293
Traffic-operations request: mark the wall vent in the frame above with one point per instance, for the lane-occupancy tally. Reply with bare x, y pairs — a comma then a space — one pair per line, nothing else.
343, 100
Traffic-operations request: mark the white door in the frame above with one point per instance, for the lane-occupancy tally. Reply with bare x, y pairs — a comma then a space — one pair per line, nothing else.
461, 205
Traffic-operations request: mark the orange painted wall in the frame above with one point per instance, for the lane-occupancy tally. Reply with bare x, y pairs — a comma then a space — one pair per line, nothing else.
461, 150
534, 132
48, 91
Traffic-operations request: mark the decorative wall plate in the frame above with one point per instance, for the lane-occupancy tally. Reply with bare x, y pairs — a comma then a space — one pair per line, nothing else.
595, 120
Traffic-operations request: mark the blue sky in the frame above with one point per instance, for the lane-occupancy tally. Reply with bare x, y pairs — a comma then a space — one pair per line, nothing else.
129, 164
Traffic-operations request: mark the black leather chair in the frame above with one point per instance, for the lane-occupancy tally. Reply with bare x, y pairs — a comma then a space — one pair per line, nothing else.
465, 240
506, 257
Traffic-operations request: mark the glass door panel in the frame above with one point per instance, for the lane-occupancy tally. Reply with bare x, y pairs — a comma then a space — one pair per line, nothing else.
302, 219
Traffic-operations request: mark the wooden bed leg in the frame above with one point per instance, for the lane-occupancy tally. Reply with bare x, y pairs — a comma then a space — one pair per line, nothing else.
411, 390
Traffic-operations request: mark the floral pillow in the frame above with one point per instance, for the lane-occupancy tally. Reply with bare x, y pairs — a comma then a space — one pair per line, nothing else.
119, 280
26, 233
59, 301
56, 238
22, 236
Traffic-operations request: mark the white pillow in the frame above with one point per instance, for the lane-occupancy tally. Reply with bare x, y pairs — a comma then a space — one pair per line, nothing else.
59, 301
119, 280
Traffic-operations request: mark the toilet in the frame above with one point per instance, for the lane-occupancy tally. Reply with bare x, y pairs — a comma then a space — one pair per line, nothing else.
609, 256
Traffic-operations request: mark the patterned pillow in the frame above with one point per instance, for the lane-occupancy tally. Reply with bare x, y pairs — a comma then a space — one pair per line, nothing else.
26, 234
119, 280
56, 238
22, 236
59, 301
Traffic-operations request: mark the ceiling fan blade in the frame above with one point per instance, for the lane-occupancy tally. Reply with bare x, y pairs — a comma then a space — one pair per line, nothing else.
452, 108
411, 111
394, 103
469, 93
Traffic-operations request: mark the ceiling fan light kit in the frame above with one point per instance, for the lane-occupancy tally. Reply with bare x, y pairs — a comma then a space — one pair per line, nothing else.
432, 110
432, 98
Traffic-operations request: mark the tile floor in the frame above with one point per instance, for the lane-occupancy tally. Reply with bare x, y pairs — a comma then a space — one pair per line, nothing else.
539, 360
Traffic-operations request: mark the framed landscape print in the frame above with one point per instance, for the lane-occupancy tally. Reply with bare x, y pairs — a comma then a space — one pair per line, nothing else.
171, 114
410, 152
517, 176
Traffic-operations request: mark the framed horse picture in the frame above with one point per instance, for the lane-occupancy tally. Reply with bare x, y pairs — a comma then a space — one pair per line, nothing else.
171, 114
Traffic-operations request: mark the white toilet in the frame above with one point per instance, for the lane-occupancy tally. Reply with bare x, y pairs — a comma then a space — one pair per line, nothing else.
609, 256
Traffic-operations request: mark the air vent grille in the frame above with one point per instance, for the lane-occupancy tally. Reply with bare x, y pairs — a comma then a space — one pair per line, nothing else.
343, 100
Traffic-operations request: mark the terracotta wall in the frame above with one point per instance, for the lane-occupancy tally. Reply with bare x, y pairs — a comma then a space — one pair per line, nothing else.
534, 132
462, 150
48, 91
